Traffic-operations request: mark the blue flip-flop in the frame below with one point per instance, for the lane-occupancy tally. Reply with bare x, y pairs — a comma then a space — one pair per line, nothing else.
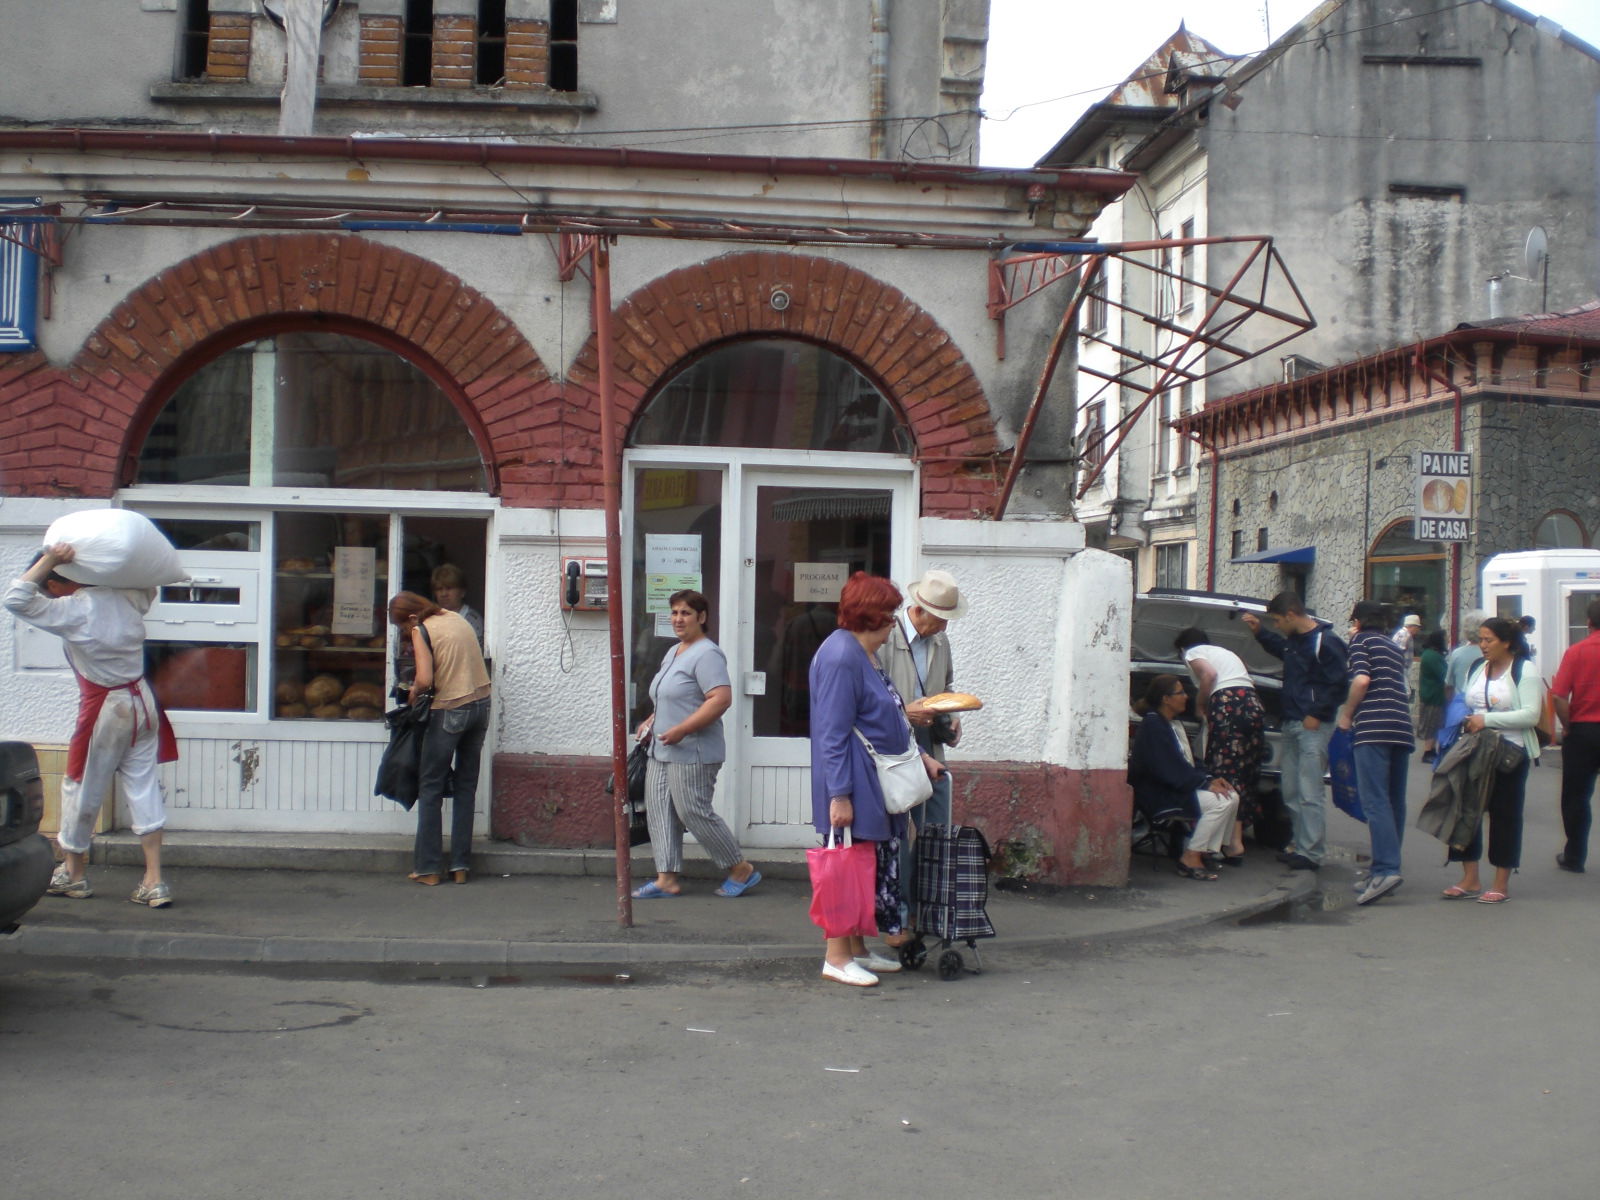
732, 887
652, 891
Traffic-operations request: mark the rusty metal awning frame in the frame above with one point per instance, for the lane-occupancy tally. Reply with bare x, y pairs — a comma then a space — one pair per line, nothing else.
1208, 348
275, 214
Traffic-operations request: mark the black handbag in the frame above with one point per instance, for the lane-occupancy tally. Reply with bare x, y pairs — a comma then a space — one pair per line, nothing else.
400, 768
638, 822
1508, 756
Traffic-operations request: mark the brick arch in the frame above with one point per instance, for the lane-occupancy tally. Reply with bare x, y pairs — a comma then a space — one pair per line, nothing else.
131, 363
895, 342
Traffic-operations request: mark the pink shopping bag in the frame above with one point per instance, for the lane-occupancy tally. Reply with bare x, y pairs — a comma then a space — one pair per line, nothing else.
843, 884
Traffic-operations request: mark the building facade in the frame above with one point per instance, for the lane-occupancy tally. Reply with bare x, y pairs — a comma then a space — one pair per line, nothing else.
326, 365
1323, 473
1401, 156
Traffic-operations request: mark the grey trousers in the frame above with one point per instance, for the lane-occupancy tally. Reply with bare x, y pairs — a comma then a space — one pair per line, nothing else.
677, 796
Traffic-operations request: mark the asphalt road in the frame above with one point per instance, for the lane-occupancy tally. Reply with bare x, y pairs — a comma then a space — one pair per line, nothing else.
1416, 1048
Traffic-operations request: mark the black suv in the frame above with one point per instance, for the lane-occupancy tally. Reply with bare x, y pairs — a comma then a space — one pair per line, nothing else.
25, 857
1158, 616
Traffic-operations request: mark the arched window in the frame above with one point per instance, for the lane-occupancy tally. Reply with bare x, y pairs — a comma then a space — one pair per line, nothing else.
312, 410
1408, 574
770, 394
1560, 530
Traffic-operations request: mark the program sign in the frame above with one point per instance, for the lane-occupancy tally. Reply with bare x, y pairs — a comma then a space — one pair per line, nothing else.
1444, 497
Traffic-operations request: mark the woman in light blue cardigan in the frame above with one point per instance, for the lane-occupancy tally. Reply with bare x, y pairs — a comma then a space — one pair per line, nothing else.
1503, 693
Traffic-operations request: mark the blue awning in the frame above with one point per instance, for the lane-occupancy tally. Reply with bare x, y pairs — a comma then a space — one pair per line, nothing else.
1280, 554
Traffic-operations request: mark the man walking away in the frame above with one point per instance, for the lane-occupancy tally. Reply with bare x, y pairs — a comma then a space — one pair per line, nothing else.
121, 733
917, 660
1314, 685
1376, 714
1577, 697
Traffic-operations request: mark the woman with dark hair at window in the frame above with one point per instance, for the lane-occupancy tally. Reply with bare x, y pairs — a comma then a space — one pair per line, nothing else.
1504, 694
850, 691
1236, 738
450, 665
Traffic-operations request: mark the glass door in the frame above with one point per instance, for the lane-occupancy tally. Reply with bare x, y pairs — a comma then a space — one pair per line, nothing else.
802, 537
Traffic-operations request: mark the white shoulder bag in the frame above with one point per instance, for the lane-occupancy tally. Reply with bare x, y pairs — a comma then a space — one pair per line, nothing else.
901, 777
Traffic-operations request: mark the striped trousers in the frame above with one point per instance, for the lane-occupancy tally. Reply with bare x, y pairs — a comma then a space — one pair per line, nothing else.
677, 796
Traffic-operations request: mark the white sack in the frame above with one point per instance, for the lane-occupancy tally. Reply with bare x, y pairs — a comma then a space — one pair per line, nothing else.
115, 547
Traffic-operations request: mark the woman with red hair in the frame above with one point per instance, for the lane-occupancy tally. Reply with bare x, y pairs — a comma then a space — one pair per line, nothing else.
850, 691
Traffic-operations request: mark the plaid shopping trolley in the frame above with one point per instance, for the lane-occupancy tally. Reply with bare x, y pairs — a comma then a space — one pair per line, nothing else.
951, 890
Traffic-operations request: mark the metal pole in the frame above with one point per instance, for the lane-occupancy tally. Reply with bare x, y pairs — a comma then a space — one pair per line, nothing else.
612, 490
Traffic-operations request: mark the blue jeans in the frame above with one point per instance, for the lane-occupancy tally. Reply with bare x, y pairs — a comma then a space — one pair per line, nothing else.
935, 810
455, 736
1305, 761
1381, 782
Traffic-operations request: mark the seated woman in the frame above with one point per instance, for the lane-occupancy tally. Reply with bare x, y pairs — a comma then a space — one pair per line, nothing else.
1164, 777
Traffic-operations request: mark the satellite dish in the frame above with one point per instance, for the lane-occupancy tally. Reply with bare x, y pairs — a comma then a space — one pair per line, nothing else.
1535, 252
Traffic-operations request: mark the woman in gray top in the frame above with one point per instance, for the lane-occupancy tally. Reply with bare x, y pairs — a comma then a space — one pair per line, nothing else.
690, 692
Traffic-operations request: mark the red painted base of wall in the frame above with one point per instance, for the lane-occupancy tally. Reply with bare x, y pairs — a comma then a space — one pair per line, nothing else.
1044, 823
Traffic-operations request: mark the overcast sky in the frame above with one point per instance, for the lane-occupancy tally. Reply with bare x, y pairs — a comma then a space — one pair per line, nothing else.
1051, 59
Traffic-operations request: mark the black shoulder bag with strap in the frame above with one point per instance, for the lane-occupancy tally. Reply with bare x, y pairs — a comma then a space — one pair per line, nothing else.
400, 768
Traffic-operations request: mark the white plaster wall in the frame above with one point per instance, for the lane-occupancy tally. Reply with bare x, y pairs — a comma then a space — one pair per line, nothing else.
1044, 644
552, 668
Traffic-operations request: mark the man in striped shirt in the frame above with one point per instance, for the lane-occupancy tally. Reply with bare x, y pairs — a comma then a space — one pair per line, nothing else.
1377, 714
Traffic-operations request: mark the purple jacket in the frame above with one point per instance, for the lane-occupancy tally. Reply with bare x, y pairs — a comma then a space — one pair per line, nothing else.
847, 689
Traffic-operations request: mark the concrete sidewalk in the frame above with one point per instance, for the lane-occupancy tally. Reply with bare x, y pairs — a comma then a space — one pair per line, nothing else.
336, 901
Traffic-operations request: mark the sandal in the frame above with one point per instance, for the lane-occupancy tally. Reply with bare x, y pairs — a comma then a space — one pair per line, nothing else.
653, 891
1199, 873
1456, 892
1494, 898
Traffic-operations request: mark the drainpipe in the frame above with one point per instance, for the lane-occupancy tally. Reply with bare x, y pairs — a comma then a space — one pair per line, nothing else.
612, 485
1429, 373
878, 79
302, 31
1211, 554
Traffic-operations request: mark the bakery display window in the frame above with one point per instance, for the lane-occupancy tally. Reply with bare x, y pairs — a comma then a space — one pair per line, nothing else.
330, 633
201, 652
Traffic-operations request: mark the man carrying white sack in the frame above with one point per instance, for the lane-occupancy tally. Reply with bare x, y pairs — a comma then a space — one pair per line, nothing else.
121, 732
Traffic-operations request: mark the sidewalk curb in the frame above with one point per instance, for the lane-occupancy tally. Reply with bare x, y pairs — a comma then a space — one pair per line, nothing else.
212, 949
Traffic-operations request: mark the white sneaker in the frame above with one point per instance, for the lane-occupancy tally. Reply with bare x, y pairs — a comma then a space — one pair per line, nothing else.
877, 962
1380, 885
852, 973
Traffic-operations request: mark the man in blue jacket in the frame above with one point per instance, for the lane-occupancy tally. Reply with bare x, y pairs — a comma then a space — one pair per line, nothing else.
1314, 686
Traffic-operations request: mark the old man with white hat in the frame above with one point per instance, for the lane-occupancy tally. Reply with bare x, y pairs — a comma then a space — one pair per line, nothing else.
917, 660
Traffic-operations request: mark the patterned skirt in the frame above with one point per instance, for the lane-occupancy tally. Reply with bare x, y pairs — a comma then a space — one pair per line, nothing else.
1236, 744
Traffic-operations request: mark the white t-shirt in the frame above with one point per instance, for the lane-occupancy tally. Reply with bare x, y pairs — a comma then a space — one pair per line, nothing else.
1229, 666
1494, 695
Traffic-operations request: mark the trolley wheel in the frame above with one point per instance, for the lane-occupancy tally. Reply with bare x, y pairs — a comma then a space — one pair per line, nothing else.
950, 965
913, 954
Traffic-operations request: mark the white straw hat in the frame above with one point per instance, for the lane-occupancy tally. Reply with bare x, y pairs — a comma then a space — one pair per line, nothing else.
936, 593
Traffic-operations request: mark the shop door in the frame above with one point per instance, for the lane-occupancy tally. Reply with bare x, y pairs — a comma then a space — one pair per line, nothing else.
802, 535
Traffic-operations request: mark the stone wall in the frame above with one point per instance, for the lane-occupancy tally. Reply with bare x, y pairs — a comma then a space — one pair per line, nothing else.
1339, 491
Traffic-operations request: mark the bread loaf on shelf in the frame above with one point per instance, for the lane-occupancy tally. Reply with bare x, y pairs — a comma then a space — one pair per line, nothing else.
362, 695
324, 689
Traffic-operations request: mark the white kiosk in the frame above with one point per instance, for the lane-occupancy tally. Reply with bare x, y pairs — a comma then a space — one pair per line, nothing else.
1552, 586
